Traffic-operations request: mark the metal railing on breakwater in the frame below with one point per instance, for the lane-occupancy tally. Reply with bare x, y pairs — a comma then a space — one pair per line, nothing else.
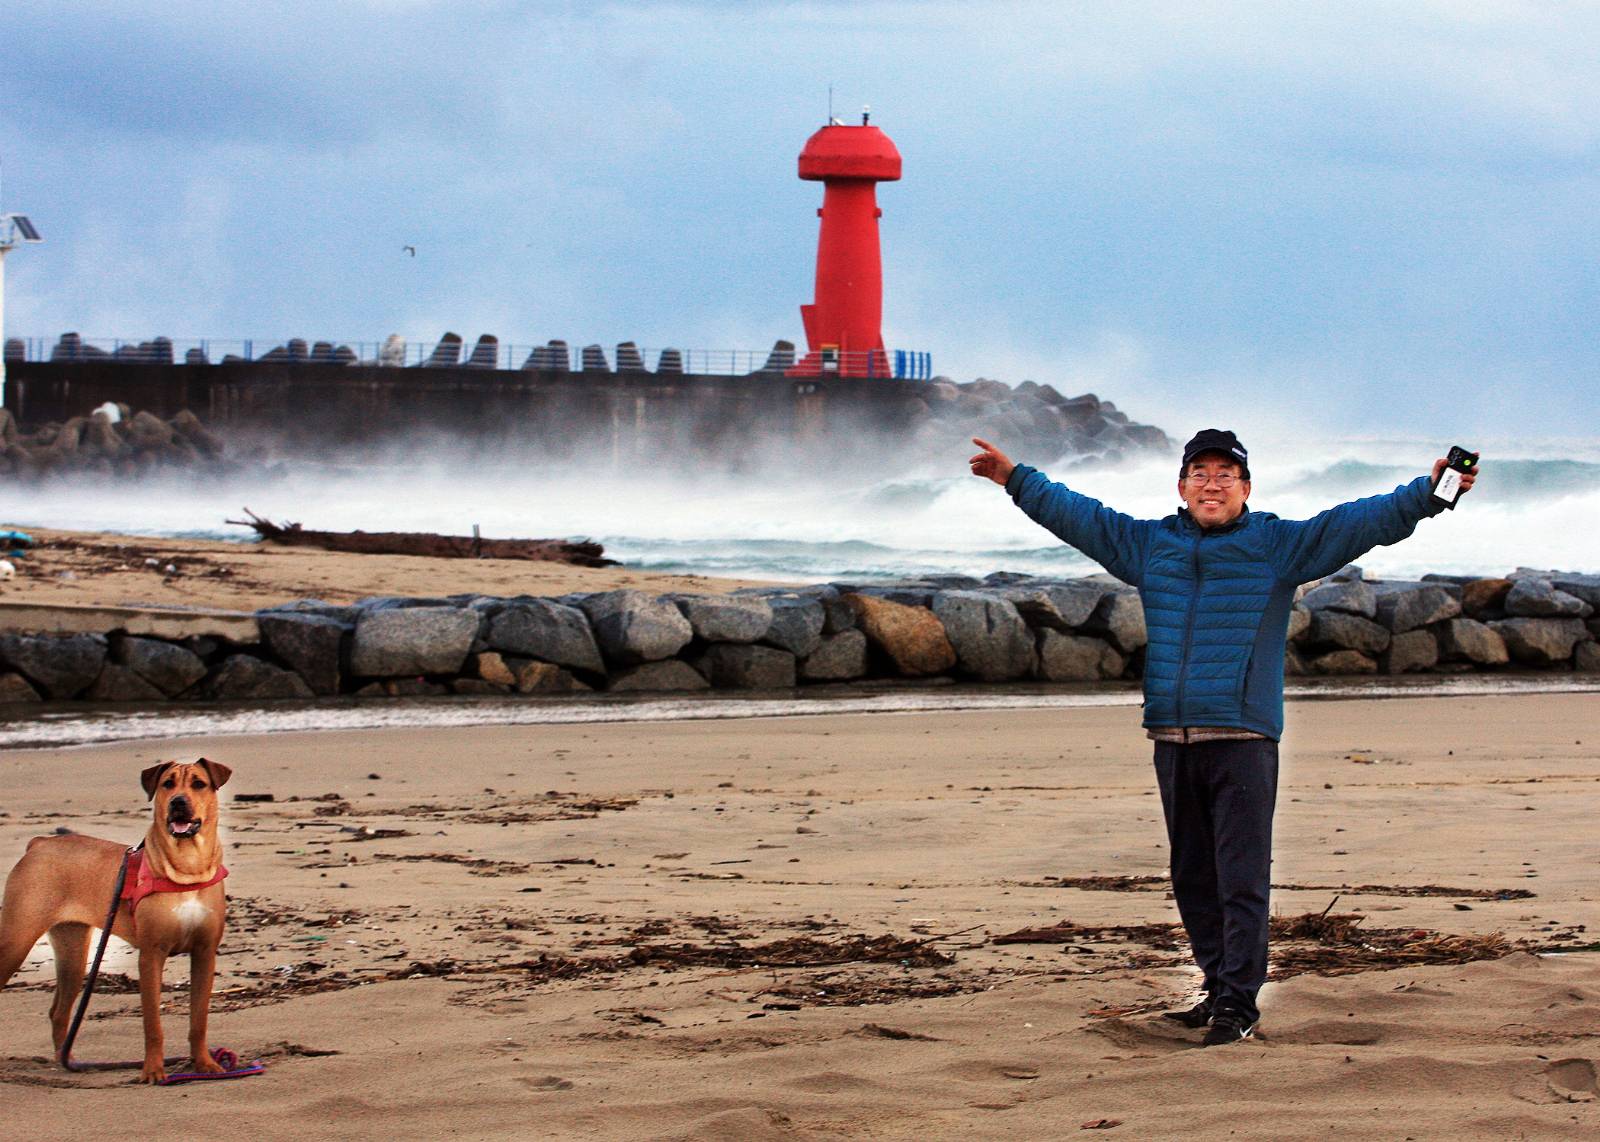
486, 353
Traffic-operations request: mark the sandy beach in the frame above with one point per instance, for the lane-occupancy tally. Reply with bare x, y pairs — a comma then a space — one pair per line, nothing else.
909, 926
96, 568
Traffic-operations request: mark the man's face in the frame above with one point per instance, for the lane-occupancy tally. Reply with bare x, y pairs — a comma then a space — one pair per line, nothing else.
1211, 504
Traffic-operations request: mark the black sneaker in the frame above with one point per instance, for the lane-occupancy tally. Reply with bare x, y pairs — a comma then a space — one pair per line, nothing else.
1228, 1025
1197, 1016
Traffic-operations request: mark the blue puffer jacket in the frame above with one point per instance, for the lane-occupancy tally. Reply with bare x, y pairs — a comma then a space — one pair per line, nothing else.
1217, 602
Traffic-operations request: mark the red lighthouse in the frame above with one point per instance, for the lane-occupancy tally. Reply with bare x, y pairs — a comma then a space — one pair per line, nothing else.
844, 323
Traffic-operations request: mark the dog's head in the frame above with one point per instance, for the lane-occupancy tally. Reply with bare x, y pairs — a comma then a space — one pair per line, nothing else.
185, 797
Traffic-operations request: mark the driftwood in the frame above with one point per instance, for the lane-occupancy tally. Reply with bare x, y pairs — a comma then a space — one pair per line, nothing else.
582, 554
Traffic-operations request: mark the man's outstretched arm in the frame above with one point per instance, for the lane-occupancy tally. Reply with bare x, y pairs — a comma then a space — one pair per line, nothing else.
1310, 549
1118, 542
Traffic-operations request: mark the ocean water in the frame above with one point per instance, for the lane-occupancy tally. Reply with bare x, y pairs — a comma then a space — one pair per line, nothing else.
860, 517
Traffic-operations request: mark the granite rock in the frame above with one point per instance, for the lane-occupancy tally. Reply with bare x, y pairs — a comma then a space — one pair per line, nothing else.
991, 641
796, 626
1119, 618
170, 669
310, 644
725, 618
491, 667
1404, 607
1468, 640
407, 641
912, 638
1342, 662
543, 678
1539, 598
839, 657
547, 631
733, 666
1347, 631
59, 666
1540, 642
119, 684
1076, 658
242, 677
1410, 650
631, 627
1350, 596
1299, 624
1585, 657
670, 674
1057, 606
1485, 599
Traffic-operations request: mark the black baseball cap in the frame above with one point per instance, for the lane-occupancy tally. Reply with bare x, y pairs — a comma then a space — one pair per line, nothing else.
1217, 440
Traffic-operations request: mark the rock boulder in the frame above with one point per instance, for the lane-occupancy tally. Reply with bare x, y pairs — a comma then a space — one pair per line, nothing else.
170, 669
912, 638
797, 623
1404, 607
631, 627
1540, 642
733, 666
551, 632
309, 644
838, 658
1076, 658
725, 618
242, 677
408, 641
991, 641
60, 666
1468, 640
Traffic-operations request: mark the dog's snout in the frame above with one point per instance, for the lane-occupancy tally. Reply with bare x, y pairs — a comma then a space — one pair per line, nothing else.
180, 808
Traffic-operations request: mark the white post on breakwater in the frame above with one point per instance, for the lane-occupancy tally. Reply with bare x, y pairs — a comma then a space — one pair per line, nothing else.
13, 228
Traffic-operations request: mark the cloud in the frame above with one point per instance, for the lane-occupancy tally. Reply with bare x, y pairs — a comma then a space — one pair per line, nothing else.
1377, 198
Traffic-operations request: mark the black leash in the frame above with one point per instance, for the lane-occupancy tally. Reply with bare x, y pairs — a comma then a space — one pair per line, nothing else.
65, 1054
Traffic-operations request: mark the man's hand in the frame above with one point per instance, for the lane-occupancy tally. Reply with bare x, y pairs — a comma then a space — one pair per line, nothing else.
1467, 478
991, 463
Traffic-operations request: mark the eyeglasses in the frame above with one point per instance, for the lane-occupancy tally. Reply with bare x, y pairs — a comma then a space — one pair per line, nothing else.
1221, 479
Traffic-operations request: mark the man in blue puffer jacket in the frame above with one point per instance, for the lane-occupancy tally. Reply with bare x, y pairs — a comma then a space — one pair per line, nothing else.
1217, 582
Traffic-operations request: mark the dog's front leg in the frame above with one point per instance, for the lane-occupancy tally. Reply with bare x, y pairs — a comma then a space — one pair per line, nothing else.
152, 962
202, 973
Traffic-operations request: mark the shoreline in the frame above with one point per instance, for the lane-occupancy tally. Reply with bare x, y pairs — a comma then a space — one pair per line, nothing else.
66, 725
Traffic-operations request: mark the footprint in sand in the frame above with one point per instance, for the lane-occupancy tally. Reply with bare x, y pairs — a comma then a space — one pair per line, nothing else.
991, 1070
1151, 1036
547, 1082
1573, 1080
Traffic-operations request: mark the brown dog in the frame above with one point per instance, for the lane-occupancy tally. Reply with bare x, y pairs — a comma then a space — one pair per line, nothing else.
62, 885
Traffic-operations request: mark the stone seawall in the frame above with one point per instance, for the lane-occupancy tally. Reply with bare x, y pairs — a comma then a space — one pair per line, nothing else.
1005, 628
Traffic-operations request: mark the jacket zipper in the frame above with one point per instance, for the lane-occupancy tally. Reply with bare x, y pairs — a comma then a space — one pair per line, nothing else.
1188, 630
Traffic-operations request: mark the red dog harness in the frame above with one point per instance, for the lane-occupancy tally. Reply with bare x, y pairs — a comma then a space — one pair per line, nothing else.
141, 882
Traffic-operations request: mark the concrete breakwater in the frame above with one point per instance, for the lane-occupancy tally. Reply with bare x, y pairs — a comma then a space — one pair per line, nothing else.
348, 413
1004, 628
110, 441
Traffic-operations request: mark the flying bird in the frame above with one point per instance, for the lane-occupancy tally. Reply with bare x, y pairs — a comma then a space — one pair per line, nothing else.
412, 250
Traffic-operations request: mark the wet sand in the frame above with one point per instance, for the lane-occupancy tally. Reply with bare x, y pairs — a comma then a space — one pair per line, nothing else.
798, 927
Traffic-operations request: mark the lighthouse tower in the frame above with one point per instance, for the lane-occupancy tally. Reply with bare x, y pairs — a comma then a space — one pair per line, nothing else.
844, 324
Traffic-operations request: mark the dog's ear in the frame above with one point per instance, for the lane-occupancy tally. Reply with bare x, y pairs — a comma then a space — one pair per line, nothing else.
151, 777
218, 772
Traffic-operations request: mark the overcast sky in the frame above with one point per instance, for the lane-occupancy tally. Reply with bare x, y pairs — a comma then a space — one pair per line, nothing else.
1371, 217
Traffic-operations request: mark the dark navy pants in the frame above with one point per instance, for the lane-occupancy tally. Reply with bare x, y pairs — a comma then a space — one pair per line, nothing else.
1218, 797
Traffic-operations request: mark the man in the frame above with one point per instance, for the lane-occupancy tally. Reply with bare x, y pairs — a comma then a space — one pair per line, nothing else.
1217, 582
